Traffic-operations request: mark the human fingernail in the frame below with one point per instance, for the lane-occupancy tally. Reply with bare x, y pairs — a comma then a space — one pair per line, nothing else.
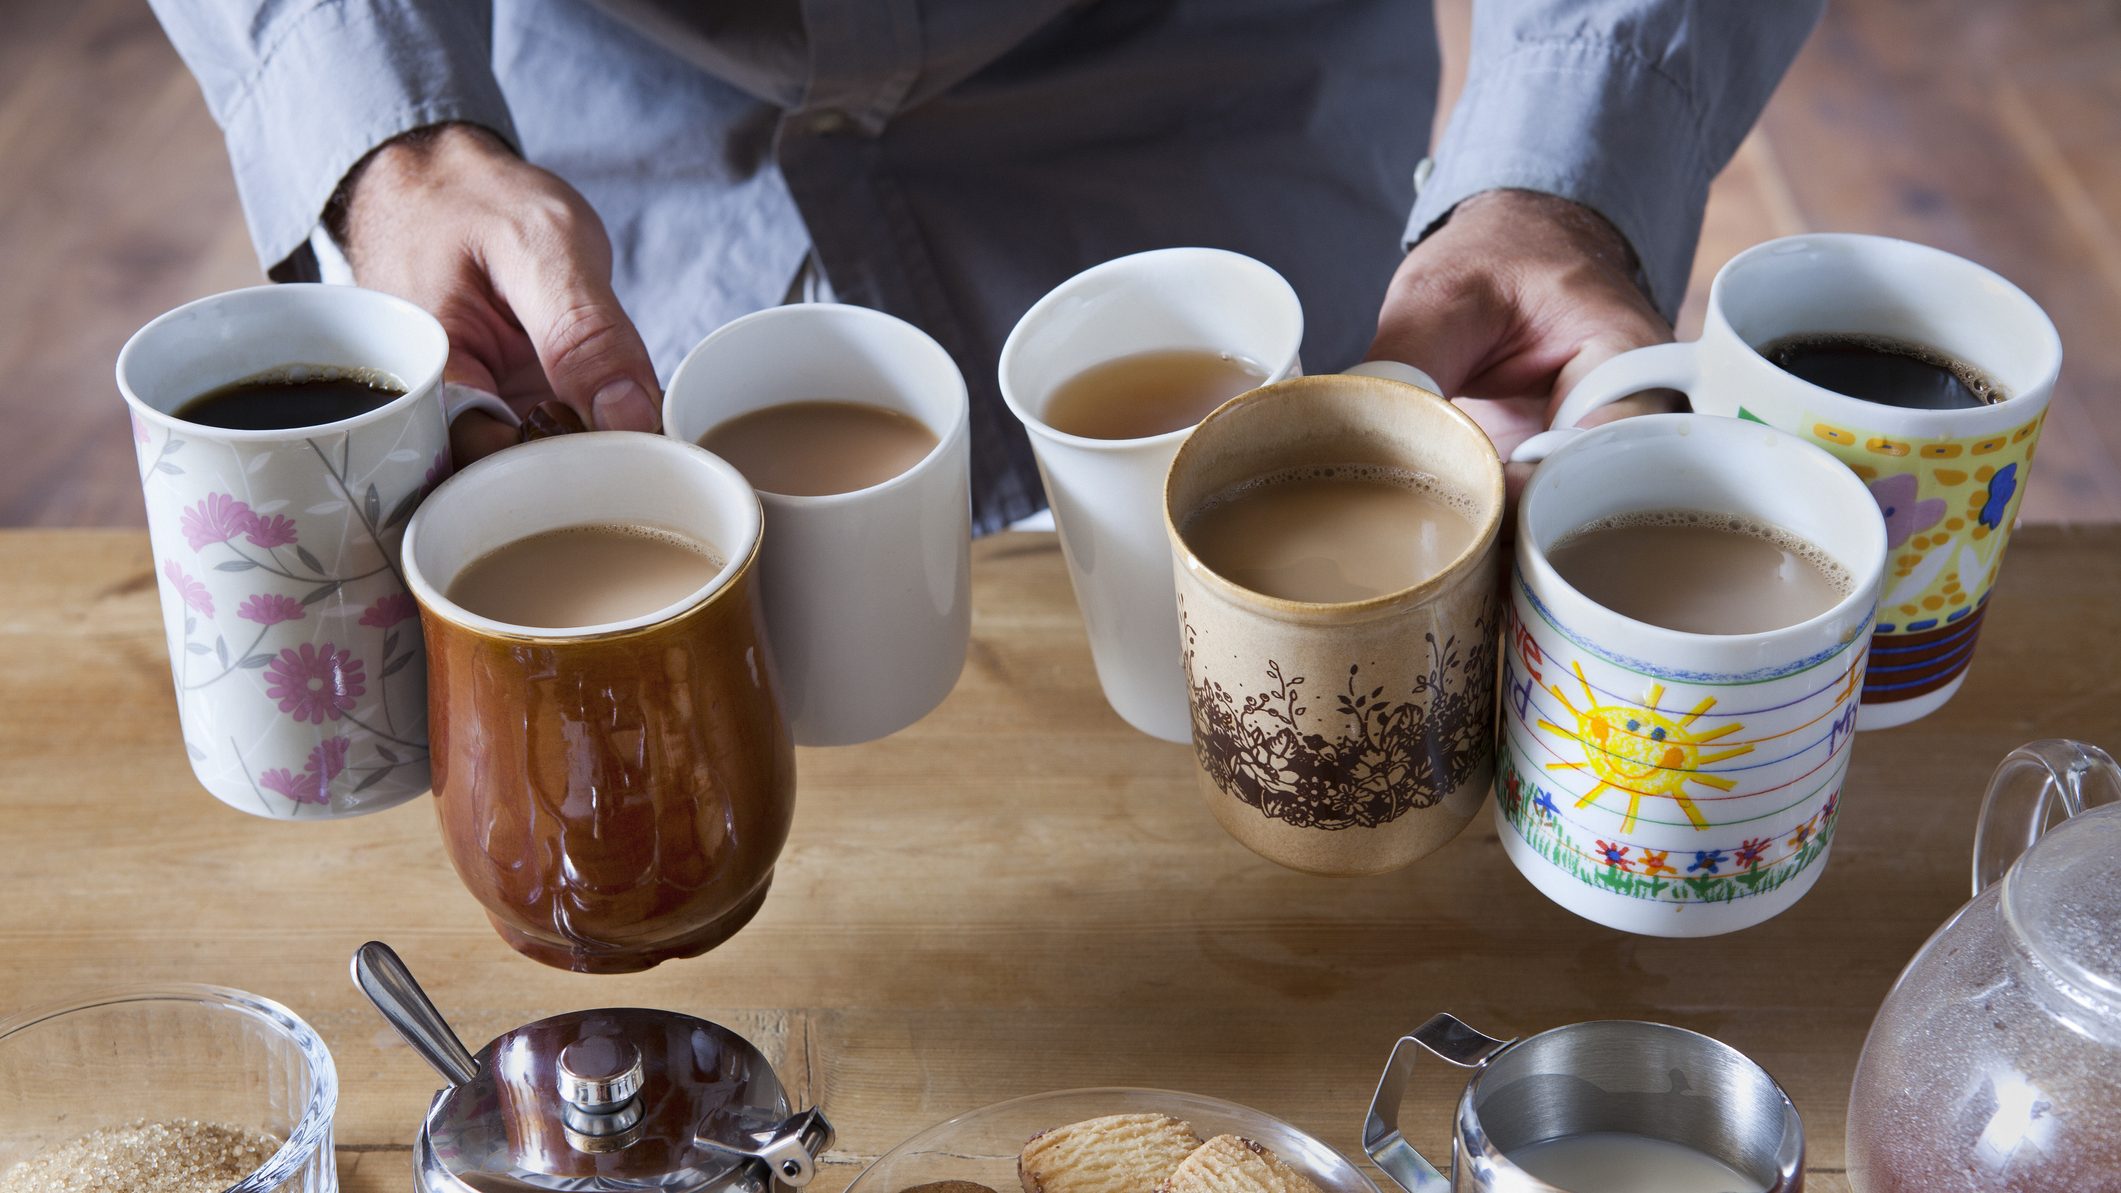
624, 406
549, 418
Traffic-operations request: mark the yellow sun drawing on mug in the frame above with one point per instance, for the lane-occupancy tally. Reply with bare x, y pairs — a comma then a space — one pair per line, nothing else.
1636, 749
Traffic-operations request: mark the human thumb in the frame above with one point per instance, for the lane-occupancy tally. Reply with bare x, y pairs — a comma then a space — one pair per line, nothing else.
592, 355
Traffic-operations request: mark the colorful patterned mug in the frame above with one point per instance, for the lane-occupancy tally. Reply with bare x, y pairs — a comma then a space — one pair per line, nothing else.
1671, 783
1948, 481
293, 643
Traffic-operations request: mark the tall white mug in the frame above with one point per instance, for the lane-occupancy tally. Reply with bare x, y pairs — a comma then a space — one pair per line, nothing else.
1949, 482
293, 643
1107, 494
868, 593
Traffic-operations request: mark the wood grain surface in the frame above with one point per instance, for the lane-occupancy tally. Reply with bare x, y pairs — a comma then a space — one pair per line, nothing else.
1017, 894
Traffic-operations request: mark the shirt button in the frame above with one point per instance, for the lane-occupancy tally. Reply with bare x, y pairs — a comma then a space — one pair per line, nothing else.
827, 122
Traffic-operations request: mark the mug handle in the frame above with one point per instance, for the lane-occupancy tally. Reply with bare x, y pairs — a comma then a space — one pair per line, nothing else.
458, 400
2023, 796
1449, 1040
1393, 370
1659, 366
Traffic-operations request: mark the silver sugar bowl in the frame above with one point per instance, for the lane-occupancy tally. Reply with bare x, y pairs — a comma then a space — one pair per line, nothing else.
610, 1099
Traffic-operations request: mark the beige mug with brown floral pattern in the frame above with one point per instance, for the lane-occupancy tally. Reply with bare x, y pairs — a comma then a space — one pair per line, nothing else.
1347, 737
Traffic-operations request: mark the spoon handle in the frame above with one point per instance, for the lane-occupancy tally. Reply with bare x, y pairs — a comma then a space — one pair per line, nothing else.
388, 984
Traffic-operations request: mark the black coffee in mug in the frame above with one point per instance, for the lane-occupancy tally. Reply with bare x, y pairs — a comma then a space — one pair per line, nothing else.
292, 397
1881, 369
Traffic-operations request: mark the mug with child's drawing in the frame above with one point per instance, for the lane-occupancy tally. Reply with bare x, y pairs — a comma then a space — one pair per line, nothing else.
1948, 482
1664, 782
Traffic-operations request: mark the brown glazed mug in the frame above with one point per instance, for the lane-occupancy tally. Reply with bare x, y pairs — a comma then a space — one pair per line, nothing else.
1349, 737
613, 795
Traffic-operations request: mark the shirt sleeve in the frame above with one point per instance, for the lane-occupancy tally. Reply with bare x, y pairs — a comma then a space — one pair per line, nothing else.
1629, 107
303, 89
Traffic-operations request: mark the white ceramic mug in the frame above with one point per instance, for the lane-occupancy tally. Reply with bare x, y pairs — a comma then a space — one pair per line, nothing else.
1948, 481
293, 643
1672, 783
1107, 494
868, 593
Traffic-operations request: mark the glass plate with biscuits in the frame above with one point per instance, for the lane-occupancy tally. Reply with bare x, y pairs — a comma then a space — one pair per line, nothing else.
1113, 1140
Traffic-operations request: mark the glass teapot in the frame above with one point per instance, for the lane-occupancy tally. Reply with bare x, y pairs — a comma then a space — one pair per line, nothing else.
1995, 1063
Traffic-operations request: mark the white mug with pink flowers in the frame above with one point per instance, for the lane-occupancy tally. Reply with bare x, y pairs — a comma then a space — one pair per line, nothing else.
293, 643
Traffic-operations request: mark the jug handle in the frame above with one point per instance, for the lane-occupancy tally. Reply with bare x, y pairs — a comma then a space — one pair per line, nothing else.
1449, 1040
2023, 797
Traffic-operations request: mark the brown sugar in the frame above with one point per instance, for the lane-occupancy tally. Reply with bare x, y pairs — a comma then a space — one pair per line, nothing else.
175, 1156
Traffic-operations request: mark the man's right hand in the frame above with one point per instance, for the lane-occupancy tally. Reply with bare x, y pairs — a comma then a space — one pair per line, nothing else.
516, 266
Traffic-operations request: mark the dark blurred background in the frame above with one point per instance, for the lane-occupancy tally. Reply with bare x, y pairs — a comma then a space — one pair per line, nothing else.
1991, 128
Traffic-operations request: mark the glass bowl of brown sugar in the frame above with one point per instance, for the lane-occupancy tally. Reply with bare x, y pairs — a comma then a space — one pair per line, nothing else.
183, 1089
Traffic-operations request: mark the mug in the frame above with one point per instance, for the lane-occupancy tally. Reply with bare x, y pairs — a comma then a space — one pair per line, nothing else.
613, 795
1604, 1077
1350, 737
868, 593
292, 641
1949, 482
1106, 493
1664, 782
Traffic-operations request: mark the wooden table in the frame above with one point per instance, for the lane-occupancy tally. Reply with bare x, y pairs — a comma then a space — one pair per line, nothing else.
1018, 894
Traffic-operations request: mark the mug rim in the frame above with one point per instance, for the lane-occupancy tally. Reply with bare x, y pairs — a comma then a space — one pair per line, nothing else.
1012, 346
415, 389
734, 566
1914, 423
1864, 579
960, 422
1494, 504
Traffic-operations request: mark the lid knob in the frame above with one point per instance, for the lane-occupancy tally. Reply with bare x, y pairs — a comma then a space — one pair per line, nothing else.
599, 1073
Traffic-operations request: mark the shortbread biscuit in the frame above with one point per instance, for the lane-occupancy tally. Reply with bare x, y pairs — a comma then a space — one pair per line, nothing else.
1234, 1164
1118, 1153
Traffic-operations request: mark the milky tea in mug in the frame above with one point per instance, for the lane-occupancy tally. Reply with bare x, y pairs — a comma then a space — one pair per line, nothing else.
1333, 546
1685, 646
818, 448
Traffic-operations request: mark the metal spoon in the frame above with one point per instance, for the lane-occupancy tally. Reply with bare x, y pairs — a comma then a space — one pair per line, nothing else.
388, 984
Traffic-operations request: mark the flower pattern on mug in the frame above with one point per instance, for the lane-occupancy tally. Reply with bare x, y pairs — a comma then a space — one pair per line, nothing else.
303, 788
277, 530
328, 760
217, 518
270, 608
193, 592
1905, 516
315, 683
388, 610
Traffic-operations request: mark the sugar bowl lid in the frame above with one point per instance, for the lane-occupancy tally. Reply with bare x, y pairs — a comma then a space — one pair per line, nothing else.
611, 1099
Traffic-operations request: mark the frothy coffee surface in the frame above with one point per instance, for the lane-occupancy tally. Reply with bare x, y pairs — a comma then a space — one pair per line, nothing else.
1701, 573
1149, 393
813, 449
583, 576
1330, 534
1884, 370
292, 396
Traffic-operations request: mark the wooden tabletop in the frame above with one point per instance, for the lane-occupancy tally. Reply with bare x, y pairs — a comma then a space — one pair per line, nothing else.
1018, 894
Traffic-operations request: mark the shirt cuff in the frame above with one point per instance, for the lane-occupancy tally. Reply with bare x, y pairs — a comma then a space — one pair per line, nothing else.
1591, 122
342, 79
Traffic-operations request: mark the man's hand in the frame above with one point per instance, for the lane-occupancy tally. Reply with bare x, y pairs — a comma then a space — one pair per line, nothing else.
1510, 303
517, 268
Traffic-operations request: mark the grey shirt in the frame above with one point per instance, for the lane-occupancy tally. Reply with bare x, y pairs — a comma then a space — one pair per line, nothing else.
949, 161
